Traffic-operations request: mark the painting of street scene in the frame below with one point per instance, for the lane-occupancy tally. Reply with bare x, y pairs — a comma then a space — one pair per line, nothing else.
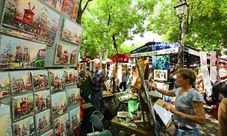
62, 125
66, 7
42, 100
49, 133
30, 19
74, 116
18, 53
40, 80
24, 127
5, 121
23, 106
72, 32
4, 84
59, 103
73, 96
43, 121
57, 80
20, 81
70, 76
65, 54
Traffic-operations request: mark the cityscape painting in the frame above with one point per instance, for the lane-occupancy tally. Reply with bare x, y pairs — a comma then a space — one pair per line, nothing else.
72, 32
4, 84
73, 96
21, 54
43, 121
62, 125
42, 100
5, 121
40, 79
59, 103
49, 133
74, 117
24, 127
57, 80
70, 76
30, 19
65, 54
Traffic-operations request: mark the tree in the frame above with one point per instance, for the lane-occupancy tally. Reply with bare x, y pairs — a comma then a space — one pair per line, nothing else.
7, 54
82, 9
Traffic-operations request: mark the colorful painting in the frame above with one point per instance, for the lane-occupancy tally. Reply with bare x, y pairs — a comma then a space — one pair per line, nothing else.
30, 19
161, 75
161, 62
43, 121
4, 84
5, 121
18, 53
66, 7
23, 106
57, 80
73, 96
24, 127
65, 54
74, 116
40, 80
72, 32
42, 100
70, 76
20, 81
62, 125
59, 103
49, 133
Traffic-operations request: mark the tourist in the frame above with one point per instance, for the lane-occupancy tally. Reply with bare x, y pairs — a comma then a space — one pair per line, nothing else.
125, 77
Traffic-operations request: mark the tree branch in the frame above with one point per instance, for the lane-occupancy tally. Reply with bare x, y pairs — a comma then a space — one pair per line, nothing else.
86, 5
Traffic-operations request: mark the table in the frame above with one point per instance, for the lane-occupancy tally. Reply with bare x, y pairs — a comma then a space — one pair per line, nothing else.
86, 105
124, 104
107, 94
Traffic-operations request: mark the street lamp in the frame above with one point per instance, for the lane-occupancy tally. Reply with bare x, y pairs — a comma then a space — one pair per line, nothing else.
181, 10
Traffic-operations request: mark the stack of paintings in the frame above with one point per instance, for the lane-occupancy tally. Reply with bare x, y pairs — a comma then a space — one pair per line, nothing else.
40, 80
62, 125
4, 84
5, 121
42, 100
24, 127
75, 117
43, 121
73, 96
58, 103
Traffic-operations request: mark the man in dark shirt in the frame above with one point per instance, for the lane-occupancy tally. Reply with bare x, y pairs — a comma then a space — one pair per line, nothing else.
97, 84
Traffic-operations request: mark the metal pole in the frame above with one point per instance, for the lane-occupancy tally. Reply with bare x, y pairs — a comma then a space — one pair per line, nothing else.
180, 57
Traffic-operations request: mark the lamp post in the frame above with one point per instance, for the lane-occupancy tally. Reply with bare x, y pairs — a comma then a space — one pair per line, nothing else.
181, 10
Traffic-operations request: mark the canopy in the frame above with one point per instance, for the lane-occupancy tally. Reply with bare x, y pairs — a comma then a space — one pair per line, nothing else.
121, 57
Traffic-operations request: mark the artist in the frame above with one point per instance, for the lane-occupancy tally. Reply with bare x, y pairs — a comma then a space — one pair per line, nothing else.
188, 111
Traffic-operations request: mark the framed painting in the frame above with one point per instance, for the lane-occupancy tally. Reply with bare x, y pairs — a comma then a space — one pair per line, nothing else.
5, 120
72, 32
24, 127
73, 96
62, 125
57, 80
43, 121
58, 103
161, 75
30, 20
20, 81
21, 54
4, 84
74, 116
49, 133
40, 80
71, 76
42, 100
65, 55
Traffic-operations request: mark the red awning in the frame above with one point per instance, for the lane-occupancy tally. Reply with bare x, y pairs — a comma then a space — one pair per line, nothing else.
121, 58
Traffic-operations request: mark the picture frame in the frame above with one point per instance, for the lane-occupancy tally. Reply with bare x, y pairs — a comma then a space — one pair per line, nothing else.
62, 123
73, 96
42, 100
43, 121
59, 103
161, 74
74, 116
24, 127
40, 80
57, 80
4, 85
5, 129
71, 76
49, 133
161, 62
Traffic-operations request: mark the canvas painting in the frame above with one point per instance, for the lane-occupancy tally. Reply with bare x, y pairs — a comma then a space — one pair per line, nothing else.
20, 81
43, 121
42, 100
24, 127
62, 125
70, 76
5, 121
72, 32
31, 20
23, 106
4, 84
161, 75
18, 53
57, 80
59, 103
73, 96
74, 117
65, 54
66, 7
40, 79
49, 133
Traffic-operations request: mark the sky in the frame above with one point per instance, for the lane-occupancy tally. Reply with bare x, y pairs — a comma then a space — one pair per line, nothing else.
68, 48
58, 98
4, 78
26, 122
45, 113
57, 72
43, 94
73, 91
63, 118
74, 111
20, 74
74, 28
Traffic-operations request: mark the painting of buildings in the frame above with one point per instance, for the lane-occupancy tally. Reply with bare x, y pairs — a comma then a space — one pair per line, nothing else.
30, 19
42, 100
18, 53
4, 84
20, 81
5, 121
49, 133
66, 7
24, 127
40, 80
73, 95
59, 103
72, 32
23, 106
74, 116
70, 76
65, 54
62, 125
57, 80
43, 121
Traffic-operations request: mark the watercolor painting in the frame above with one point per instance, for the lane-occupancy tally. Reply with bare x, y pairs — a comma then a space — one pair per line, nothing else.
23, 106
20, 81
57, 80
161, 75
67, 7
73, 96
5, 121
42, 100
71, 76
62, 125
31, 20
4, 84
58, 103
72, 32
40, 80
43, 121
74, 116
24, 127
65, 54
49, 133
18, 53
